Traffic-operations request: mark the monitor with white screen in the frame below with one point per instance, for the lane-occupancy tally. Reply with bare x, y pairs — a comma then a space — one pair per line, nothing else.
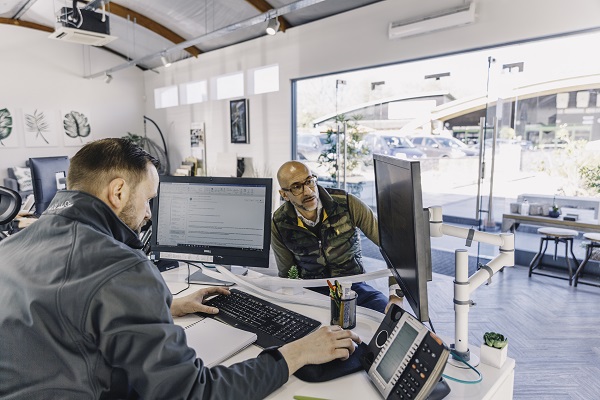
404, 228
215, 220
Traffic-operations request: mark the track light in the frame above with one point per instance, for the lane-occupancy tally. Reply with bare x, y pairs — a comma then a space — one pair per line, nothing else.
273, 26
107, 78
165, 60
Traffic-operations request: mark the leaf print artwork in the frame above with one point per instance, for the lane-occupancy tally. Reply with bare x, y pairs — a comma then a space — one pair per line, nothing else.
76, 125
37, 123
6, 124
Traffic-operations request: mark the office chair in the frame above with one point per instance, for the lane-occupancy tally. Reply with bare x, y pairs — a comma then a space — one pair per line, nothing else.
10, 204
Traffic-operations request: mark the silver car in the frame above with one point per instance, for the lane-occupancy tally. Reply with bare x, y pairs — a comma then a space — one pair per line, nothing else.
443, 147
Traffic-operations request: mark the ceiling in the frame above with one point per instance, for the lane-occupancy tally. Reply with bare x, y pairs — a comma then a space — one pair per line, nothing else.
177, 29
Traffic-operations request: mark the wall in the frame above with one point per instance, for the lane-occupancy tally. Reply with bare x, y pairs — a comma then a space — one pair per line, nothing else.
37, 72
352, 40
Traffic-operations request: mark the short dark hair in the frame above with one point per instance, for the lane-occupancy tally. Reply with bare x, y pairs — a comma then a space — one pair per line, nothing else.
100, 161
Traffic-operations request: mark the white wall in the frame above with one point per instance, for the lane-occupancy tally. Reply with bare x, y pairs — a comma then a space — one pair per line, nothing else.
37, 72
355, 39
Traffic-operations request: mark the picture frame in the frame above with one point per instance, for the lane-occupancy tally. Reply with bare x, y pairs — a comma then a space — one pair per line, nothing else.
238, 116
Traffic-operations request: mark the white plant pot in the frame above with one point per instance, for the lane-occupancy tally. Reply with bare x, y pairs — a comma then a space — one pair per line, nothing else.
493, 356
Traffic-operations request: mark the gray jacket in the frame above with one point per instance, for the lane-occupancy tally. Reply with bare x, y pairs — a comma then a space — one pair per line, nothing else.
85, 315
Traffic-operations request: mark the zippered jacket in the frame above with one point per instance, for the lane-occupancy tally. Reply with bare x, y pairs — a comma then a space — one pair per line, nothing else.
85, 315
337, 252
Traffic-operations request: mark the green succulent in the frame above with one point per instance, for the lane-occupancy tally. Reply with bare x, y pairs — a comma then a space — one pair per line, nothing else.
293, 272
494, 339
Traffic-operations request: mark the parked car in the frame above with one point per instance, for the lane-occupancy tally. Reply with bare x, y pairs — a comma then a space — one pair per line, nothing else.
443, 147
310, 145
385, 143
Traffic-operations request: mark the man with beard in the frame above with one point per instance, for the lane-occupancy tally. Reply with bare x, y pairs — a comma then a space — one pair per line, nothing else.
316, 230
85, 314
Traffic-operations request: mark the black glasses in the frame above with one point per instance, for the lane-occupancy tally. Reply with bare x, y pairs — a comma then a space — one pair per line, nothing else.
298, 188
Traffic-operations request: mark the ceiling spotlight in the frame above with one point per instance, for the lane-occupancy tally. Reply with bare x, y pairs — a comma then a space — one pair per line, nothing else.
165, 61
273, 26
107, 77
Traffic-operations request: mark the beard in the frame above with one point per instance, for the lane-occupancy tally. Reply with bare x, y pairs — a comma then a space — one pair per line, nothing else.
128, 216
307, 206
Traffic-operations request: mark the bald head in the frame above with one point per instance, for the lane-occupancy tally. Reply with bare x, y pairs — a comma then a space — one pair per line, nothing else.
289, 170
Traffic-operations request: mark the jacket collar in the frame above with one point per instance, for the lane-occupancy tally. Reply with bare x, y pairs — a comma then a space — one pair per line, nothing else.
90, 210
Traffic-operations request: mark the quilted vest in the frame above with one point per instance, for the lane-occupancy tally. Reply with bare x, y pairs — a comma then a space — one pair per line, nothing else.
337, 253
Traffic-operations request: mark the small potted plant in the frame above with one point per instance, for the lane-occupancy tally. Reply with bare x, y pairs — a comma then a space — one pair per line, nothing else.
494, 349
554, 210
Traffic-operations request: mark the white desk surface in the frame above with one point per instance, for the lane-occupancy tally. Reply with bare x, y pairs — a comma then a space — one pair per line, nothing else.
497, 384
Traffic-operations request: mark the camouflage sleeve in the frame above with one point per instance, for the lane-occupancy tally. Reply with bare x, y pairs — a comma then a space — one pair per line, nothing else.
283, 257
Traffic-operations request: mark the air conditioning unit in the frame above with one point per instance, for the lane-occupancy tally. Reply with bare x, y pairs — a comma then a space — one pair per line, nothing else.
446, 19
82, 27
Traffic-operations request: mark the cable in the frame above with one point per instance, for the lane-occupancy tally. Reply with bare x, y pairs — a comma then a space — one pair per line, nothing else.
187, 280
468, 365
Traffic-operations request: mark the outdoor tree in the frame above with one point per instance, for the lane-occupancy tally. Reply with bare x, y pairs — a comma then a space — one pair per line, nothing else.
356, 151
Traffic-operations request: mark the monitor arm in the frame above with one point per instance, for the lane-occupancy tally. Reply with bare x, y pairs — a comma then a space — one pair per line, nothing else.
464, 284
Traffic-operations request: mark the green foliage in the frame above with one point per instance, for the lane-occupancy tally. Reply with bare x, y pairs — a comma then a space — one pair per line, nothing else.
6, 124
494, 339
293, 273
76, 125
352, 142
137, 139
590, 174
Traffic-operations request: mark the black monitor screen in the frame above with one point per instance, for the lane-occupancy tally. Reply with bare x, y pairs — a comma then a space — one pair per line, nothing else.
48, 175
404, 228
213, 220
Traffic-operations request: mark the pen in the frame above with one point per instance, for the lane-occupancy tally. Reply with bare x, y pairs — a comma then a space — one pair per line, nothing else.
307, 398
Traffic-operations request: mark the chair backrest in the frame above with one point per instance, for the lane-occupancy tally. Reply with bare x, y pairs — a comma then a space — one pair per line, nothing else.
10, 204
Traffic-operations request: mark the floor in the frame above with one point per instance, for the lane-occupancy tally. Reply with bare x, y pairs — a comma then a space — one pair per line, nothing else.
552, 329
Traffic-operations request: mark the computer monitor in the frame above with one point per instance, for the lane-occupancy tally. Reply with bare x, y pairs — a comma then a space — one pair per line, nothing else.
404, 228
48, 175
216, 220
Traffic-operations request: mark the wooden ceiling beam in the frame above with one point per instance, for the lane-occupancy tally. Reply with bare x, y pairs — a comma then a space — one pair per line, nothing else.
263, 6
124, 12
25, 24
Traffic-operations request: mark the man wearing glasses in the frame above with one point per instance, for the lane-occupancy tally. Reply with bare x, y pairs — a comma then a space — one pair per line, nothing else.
316, 230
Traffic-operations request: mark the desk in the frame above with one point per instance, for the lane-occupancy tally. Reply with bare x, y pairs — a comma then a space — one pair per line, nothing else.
510, 222
497, 384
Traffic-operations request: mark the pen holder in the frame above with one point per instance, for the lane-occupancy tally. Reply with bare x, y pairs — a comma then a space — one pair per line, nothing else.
343, 312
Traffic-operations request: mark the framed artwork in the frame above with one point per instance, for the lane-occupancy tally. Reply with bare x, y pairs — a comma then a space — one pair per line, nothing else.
40, 127
238, 115
77, 129
9, 130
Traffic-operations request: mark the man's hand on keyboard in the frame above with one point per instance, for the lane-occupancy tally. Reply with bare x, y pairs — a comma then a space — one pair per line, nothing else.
325, 344
193, 303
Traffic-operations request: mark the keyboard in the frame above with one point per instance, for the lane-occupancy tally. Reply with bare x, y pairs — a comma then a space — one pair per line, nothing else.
274, 325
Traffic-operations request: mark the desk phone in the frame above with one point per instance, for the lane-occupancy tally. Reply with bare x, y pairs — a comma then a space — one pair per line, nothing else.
404, 360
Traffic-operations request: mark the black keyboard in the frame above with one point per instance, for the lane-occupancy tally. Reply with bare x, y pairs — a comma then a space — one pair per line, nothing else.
273, 324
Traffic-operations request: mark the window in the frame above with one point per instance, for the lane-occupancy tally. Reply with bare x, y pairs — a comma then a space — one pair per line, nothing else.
229, 86
193, 92
264, 79
166, 97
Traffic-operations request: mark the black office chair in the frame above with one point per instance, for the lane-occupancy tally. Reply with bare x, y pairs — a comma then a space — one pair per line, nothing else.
10, 204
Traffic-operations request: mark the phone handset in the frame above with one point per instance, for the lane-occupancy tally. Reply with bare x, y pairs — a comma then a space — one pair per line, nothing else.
405, 359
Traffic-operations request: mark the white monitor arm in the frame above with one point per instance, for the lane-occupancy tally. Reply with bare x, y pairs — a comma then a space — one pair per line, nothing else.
464, 284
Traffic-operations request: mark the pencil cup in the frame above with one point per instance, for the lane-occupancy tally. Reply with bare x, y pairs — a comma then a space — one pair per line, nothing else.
343, 312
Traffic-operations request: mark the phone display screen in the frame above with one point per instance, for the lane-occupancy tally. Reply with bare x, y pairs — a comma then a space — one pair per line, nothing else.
396, 352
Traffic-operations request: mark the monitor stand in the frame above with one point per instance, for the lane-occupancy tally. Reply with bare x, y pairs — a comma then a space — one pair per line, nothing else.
236, 269
200, 277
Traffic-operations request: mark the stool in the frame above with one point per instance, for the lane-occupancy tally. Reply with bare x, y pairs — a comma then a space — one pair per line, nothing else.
557, 235
594, 243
